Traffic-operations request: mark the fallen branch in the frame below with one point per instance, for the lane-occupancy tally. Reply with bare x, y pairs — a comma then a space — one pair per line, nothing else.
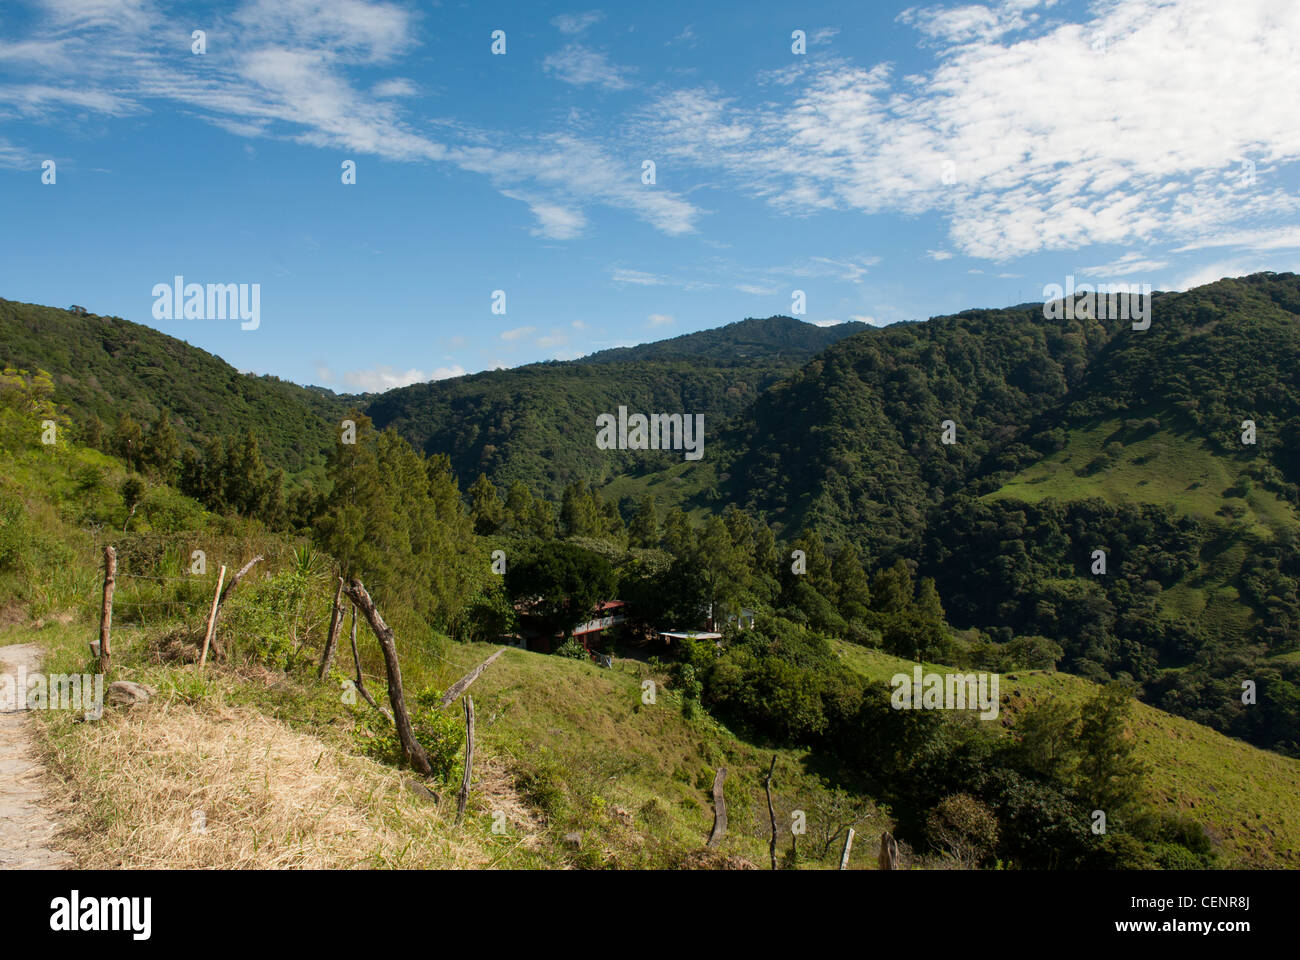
221, 599
461, 685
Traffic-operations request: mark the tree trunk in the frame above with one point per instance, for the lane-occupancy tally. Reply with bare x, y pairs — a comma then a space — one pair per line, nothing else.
888, 859
415, 754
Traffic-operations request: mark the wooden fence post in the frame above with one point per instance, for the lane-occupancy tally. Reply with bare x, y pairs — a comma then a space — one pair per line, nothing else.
719, 809
212, 619
406, 733
336, 621
106, 611
888, 859
771, 811
848, 845
463, 799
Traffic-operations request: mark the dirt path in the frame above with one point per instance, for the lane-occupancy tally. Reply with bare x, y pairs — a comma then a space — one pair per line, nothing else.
26, 828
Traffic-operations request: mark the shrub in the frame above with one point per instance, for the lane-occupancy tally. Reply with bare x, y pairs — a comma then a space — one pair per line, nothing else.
439, 731
572, 649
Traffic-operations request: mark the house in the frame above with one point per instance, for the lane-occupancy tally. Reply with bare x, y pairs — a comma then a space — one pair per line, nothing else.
532, 635
607, 614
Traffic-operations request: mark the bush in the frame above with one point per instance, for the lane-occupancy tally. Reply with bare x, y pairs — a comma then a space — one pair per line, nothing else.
572, 649
964, 828
14, 533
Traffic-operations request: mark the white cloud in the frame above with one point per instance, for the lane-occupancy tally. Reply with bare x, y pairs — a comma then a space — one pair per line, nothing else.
1126, 265
581, 66
381, 378
368, 30
517, 333
1046, 140
396, 87
938, 254
660, 320
1224, 268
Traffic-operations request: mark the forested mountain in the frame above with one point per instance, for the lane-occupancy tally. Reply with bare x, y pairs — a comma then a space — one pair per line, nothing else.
536, 424
107, 367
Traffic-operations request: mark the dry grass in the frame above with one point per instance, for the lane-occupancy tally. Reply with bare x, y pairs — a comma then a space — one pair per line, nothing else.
183, 787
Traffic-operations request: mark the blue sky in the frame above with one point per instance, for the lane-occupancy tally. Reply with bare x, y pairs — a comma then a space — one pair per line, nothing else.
913, 161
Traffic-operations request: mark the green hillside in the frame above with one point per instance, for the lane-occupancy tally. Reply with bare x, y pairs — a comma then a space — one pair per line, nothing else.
104, 367
536, 424
1248, 798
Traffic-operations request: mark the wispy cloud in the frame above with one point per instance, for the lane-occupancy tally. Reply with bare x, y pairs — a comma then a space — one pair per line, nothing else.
582, 66
1015, 137
574, 23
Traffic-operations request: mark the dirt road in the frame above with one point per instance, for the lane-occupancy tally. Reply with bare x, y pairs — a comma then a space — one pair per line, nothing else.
26, 828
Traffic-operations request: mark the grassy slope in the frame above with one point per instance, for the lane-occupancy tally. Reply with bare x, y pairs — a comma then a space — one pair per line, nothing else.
1169, 467
1248, 799
563, 746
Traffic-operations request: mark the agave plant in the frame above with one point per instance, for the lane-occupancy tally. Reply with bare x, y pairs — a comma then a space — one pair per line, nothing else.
308, 562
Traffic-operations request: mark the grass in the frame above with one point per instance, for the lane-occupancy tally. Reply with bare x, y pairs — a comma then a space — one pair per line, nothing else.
1171, 467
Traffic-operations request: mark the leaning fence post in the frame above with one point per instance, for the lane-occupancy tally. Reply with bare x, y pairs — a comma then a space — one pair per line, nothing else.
106, 611
212, 618
848, 845
405, 732
469, 759
336, 621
